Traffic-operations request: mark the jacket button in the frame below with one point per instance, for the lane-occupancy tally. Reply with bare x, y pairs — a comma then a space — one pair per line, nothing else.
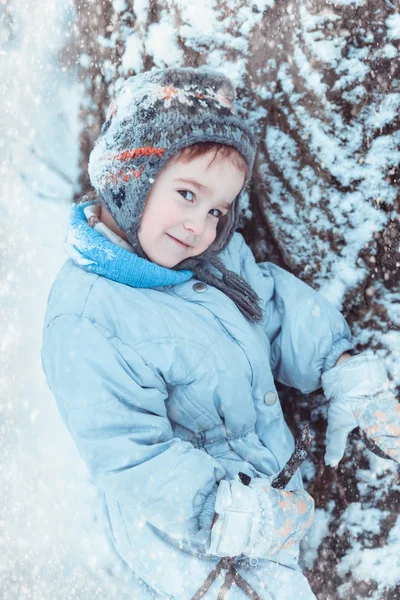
199, 287
270, 398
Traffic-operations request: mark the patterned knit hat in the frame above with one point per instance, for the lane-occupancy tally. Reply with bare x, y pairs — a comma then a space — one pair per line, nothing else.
155, 115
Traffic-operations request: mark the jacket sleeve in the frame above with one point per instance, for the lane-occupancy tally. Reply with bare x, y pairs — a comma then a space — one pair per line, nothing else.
113, 405
306, 332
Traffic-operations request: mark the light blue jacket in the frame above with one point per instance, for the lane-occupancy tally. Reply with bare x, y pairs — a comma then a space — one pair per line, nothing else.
166, 391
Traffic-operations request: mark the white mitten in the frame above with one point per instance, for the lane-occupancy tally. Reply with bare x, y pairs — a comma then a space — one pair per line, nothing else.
359, 394
258, 520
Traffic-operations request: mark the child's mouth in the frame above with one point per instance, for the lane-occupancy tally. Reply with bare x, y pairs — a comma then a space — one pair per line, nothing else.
182, 244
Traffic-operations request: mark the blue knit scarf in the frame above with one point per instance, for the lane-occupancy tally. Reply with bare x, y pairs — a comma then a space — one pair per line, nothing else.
95, 253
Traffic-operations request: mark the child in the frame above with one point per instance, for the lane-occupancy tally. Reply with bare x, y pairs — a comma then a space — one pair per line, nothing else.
162, 341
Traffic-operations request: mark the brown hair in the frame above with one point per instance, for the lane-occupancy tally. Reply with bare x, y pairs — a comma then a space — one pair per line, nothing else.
190, 152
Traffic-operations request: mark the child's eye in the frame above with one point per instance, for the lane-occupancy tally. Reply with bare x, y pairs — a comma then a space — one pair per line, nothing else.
186, 192
220, 213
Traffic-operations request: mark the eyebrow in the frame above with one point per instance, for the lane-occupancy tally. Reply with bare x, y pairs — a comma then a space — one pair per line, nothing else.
202, 188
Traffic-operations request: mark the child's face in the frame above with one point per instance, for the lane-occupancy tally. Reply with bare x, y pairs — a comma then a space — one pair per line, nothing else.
178, 210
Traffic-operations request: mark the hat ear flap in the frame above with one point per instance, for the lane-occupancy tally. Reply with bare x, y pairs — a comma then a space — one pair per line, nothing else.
225, 228
223, 225
118, 196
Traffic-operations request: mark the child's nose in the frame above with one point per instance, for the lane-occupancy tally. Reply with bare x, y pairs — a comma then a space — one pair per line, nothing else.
196, 224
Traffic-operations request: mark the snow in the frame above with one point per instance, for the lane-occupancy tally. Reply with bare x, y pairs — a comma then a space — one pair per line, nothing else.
376, 564
360, 520
133, 54
389, 51
52, 543
198, 23
328, 51
393, 24
312, 78
85, 60
315, 536
263, 4
119, 5
161, 42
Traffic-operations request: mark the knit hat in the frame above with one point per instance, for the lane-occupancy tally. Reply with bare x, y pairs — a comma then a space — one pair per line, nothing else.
154, 116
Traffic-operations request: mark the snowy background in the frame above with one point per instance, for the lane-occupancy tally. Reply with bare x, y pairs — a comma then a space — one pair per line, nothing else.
324, 209
51, 541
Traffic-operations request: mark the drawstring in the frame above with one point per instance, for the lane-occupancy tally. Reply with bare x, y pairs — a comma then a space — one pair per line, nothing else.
231, 577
